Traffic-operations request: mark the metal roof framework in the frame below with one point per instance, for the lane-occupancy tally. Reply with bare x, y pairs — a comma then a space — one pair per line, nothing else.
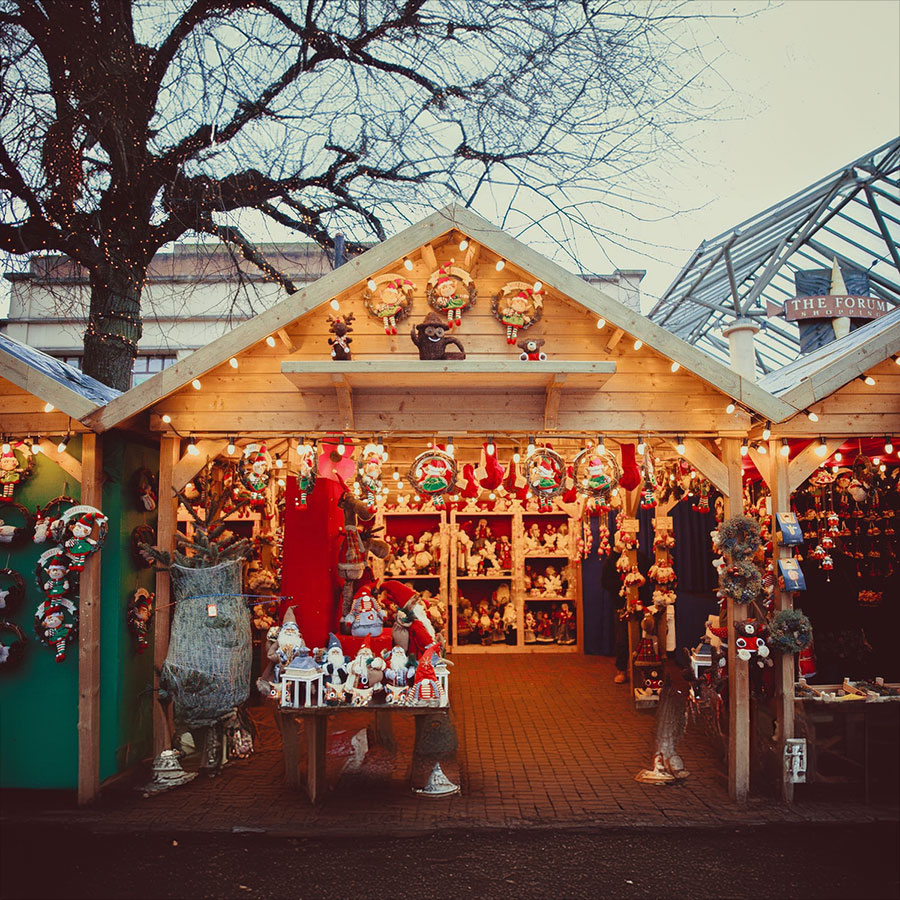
852, 214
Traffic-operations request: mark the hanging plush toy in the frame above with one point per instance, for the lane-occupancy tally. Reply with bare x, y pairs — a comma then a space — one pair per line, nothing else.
11, 652
16, 464
531, 349
47, 519
87, 528
596, 472
368, 473
702, 504
451, 290
55, 624
340, 327
12, 593
389, 298
489, 473
516, 306
145, 486
433, 473
52, 573
545, 472
255, 471
307, 470
138, 616
432, 342
749, 642
10, 533
366, 615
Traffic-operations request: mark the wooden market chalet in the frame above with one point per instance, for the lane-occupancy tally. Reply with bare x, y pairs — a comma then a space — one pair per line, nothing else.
609, 373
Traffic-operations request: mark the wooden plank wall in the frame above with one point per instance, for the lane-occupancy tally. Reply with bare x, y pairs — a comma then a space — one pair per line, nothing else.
643, 395
21, 413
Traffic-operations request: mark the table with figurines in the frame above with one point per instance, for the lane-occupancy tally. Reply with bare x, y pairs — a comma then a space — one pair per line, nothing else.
313, 687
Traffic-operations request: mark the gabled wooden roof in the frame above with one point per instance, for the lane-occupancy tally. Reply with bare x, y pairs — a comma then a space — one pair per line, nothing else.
53, 381
355, 273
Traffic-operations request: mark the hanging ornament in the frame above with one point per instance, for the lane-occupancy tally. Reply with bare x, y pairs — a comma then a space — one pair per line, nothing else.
87, 528
145, 485
11, 651
545, 472
55, 624
433, 474
648, 472
10, 532
307, 471
389, 300
12, 590
16, 464
451, 290
702, 504
138, 616
517, 306
142, 534
368, 473
340, 327
255, 472
48, 519
51, 573
595, 473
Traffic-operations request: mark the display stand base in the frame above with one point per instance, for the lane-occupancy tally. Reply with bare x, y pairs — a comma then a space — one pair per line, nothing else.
167, 774
438, 784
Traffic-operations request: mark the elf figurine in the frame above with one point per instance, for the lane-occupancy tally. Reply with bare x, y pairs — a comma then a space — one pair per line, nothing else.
515, 315
140, 611
306, 473
80, 545
391, 302
256, 480
447, 297
57, 584
10, 473
51, 626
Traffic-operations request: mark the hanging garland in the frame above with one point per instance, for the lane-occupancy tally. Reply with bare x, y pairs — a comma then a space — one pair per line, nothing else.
11, 533
433, 473
16, 464
389, 299
307, 472
11, 653
596, 474
517, 306
12, 595
46, 524
451, 290
55, 624
790, 631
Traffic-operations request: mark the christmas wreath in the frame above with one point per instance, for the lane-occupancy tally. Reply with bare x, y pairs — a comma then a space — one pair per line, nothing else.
517, 306
11, 653
142, 534
739, 537
790, 631
596, 473
434, 474
11, 595
48, 518
10, 533
388, 298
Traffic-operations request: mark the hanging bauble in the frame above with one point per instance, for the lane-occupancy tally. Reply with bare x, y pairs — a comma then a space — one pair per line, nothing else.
545, 472
517, 306
138, 616
12, 590
55, 624
451, 290
48, 519
307, 471
16, 464
11, 652
389, 299
255, 471
596, 473
433, 474
12, 532
86, 527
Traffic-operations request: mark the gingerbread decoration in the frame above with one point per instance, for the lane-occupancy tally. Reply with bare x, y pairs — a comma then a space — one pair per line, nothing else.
516, 306
389, 298
451, 290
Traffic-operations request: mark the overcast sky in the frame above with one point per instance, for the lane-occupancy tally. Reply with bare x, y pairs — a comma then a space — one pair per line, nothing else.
818, 84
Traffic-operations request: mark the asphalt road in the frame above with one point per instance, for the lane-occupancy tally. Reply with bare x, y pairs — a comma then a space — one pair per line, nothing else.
755, 862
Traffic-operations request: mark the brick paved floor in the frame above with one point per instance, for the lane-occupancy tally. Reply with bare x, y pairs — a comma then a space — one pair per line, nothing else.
544, 741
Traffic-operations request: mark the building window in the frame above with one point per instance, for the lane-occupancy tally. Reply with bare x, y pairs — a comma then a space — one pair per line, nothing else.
147, 366
73, 361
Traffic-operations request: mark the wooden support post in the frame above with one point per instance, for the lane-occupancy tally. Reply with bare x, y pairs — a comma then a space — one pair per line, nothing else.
190, 464
316, 740
807, 461
89, 634
344, 400
738, 672
67, 463
169, 449
784, 662
551, 403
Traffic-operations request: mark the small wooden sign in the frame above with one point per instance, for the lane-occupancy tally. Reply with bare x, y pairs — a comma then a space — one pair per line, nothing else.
832, 306
631, 525
663, 523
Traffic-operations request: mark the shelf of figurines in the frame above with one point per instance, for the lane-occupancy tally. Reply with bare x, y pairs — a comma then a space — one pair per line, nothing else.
500, 576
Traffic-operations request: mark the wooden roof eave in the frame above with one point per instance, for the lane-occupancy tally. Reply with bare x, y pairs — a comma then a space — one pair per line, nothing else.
356, 270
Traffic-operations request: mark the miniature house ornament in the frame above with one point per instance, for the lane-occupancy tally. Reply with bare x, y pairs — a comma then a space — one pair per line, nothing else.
451, 290
389, 300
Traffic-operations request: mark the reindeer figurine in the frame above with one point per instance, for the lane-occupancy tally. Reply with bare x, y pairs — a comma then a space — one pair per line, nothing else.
340, 327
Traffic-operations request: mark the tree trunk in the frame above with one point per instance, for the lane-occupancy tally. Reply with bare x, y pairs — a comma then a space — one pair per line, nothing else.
114, 324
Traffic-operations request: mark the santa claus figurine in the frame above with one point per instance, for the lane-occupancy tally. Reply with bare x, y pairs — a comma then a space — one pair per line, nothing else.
426, 689
413, 630
366, 615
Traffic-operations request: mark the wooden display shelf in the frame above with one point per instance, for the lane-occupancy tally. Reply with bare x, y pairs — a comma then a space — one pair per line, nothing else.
464, 649
506, 577
531, 598
410, 577
546, 556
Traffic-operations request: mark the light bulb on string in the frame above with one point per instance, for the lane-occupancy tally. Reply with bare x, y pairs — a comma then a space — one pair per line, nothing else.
675, 367
335, 305
491, 447
888, 446
867, 379
192, 448
396, 475
407, 264
464, 244
538, 287
36, 445
821, 448
601, 324
679, 447
767, 431
517, 457
6, 446
61, 446
166, 418
641, 446
233, 362
450, 450
279, 462
341, 448
601, 447
761, 448
530, 445
744, 448
638, 344
371, 285
196, 384
810, 415
501, 265
48, 407
731, 407
838, 456
230, 448
270, 340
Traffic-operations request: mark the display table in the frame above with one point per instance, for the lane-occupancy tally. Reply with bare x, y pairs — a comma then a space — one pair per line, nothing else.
315, 722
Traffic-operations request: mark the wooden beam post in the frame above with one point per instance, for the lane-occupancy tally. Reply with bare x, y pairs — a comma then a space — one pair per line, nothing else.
738, 672
190, 464
784, 662
552, 400
807, 461
166, 523
344, 400
706, 463
64, 460
89, 634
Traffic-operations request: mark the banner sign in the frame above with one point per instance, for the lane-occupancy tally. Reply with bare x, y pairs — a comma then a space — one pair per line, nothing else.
830, 306
789, 527
792, 574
